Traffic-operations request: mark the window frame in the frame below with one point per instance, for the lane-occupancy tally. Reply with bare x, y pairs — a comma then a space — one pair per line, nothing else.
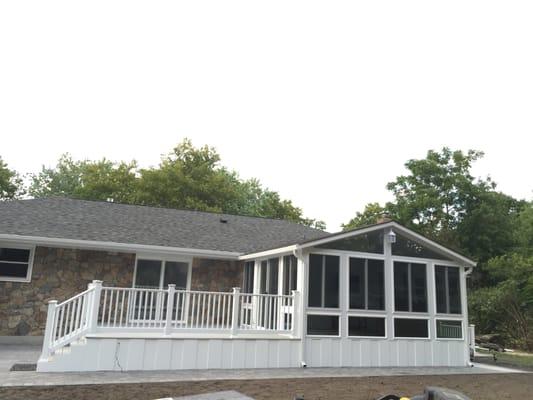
461, 320
339, 283
410, 261
384, 309
427, 319
31, 258
381, 316
447, 292
324, 314
164, 259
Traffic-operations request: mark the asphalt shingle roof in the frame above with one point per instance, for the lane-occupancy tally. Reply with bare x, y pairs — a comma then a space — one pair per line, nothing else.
64, 218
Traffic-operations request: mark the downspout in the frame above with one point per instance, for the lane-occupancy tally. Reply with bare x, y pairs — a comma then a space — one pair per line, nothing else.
297, 252
468, 271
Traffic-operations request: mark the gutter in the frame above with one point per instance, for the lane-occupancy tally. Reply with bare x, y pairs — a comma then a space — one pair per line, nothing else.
116, 246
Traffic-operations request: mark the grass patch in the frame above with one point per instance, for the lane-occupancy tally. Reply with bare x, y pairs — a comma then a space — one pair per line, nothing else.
517, 360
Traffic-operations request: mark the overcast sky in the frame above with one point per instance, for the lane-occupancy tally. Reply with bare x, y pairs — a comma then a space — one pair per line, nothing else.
322, 101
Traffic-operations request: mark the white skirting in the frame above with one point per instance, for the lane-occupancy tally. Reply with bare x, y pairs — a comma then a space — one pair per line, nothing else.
111, 354
337, 352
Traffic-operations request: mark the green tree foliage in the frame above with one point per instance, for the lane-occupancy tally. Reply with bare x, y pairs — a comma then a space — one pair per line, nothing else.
434, 196
11, 186
506, 305
372, 213
91, 180
188, 177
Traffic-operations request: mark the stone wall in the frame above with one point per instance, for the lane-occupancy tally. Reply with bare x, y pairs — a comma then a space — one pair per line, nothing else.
58, 274
216, 275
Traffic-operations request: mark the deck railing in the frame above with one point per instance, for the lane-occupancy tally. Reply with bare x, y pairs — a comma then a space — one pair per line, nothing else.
157, 311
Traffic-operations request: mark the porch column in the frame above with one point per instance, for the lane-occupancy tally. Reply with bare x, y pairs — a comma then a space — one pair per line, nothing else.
49, 330
235, 311
170, 307
94, 305
389, 288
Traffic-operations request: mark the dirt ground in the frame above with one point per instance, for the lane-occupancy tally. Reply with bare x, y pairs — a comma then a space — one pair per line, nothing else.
478, 387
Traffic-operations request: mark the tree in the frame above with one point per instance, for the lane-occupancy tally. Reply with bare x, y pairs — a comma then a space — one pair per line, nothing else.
90, 180
433, 197
372, 213
505, 306
11, 186
188, 177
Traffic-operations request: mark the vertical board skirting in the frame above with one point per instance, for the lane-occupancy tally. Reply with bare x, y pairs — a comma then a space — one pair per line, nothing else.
352, 352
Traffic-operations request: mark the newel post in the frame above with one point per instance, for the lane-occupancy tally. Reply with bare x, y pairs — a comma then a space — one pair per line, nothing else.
296, 314
94, 304
235, 310
170, 307
48, 332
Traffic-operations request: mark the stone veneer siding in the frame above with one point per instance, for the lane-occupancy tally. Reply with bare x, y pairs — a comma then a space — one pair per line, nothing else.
62, 273
216, 275
57, 274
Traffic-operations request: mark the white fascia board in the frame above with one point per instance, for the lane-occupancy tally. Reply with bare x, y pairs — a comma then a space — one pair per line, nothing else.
114, 246
268, 253
419, 238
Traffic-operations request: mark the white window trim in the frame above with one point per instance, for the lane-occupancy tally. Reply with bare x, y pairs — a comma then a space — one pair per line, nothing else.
441, 339
410, 261
382, 316
325, 314
323, 288
427, 319
362, 310
446, 315
31, 257
164, 259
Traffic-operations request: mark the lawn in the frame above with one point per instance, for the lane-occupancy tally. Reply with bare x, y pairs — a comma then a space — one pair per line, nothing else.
521, 360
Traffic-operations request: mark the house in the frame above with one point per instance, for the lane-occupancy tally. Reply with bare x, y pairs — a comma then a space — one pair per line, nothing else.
109, 286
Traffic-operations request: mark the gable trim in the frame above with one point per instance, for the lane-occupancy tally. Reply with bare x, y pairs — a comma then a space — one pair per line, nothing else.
360, 231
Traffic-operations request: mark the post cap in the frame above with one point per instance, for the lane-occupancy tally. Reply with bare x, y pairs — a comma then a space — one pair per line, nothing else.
52, 301
172, 285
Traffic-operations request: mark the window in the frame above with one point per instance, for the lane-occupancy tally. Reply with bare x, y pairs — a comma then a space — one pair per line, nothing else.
449, 329
323, 281
157, 274
290, 274
411, 328
327, 325
248, 277
410, 292
409, 248
371, 242
367, 285
269, 276
15, 264
366, 326
448, 290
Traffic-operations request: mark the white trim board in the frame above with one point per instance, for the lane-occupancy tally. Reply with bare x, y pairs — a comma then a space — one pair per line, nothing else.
114, 246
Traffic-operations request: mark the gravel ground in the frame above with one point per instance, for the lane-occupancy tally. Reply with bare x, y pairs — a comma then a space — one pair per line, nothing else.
478, 387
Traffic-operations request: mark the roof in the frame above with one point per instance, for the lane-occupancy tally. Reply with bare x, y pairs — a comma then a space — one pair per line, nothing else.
97, 221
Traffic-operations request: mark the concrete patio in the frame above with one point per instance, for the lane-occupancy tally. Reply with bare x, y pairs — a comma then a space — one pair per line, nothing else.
11, 354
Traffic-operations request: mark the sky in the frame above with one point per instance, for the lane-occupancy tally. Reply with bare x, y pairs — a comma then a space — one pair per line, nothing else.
322, 101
